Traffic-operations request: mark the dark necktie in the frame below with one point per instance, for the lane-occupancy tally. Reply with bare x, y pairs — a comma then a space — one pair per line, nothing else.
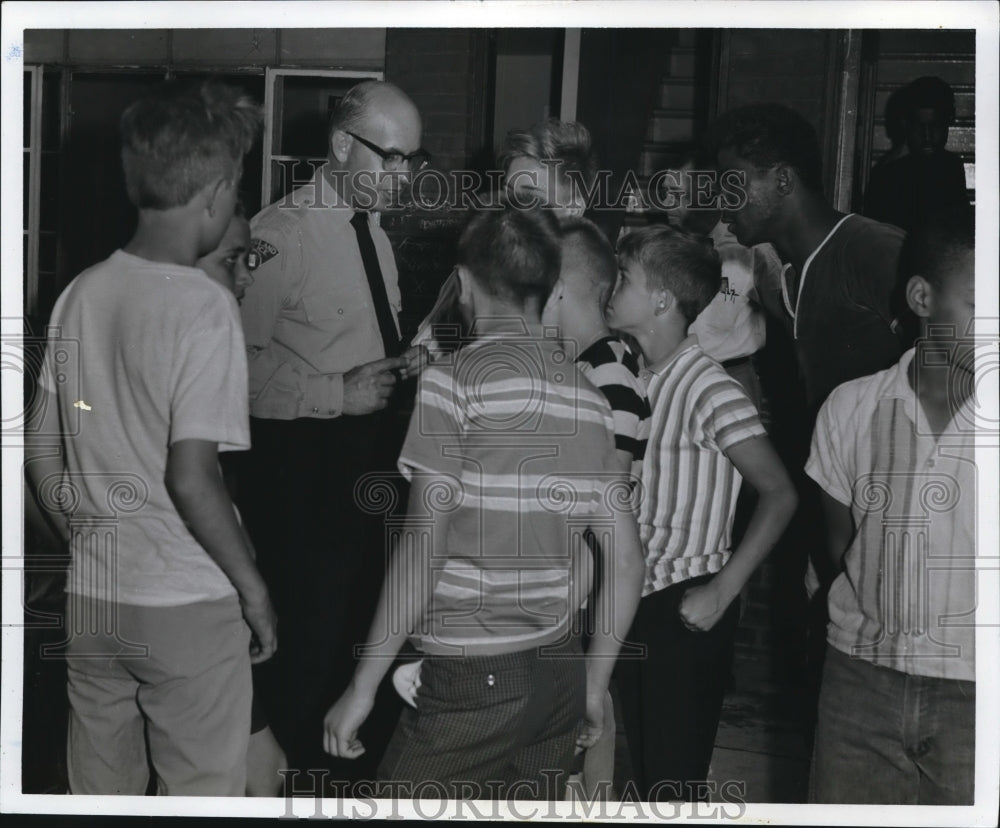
390, 339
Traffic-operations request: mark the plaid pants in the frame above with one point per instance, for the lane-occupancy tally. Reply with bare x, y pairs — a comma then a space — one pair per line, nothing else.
489, 727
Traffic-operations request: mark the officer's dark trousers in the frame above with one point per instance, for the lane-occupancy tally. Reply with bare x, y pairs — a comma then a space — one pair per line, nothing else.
319, 530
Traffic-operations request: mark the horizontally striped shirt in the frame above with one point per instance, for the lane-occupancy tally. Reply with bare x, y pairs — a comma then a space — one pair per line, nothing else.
907, 596
526, 443
614, 371
689, 486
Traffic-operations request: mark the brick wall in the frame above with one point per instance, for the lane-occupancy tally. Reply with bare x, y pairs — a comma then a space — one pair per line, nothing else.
445, 72
794, 67
243, 48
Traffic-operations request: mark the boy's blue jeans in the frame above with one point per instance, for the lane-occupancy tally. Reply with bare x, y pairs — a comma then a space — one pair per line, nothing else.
886, 737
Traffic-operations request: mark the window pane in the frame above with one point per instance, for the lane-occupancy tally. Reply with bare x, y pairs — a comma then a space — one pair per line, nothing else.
27, 109
47, 255
49, 195
51, 108
305, 113
27, 188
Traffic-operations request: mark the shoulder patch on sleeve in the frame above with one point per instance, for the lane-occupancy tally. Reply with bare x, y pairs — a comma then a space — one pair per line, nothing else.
262, 251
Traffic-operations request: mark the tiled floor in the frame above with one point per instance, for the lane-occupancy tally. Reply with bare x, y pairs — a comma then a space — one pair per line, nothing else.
761, 744
760, 753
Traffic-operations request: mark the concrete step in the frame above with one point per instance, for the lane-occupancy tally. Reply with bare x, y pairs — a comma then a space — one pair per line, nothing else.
661, 155
671, 125
682, 63
676, 93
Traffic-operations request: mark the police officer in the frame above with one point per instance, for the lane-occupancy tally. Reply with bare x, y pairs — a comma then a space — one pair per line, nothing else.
324, 355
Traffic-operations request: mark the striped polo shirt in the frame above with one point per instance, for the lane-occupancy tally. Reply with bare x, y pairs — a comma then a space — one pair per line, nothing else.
689, 485
525, 443
614, 370
907, 596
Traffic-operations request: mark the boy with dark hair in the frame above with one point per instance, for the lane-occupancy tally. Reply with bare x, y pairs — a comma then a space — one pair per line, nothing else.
894, 455
503, 432
231, 265
840, 269
158, 645
733, 328
704, 437
928, 178
836, 288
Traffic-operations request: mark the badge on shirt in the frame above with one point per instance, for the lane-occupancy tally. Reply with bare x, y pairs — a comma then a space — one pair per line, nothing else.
260, 252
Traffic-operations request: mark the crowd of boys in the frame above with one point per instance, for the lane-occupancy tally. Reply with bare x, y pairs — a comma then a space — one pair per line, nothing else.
569, 527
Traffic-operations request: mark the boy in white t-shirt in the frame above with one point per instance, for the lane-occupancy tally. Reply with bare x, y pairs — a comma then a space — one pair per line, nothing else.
144, 382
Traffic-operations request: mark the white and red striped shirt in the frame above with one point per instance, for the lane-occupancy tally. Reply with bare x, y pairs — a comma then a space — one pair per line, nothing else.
689, 486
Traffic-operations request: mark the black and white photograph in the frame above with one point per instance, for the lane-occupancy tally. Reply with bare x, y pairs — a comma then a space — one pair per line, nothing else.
501, 411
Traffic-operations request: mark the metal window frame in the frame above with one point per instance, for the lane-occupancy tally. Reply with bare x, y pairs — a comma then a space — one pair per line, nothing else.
271, 76
34, 151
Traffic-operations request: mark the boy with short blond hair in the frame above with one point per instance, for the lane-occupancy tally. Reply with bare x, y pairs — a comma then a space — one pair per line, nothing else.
162, 389
705, 437
510, 455
576, 306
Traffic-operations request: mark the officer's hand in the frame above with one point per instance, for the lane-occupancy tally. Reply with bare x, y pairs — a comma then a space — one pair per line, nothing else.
368, 387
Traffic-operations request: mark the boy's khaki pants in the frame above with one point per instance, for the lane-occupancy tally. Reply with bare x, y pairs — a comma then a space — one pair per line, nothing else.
177, 676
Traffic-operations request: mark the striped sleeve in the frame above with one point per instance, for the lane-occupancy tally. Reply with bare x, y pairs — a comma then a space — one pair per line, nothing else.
727, 414
435, 427
613, 369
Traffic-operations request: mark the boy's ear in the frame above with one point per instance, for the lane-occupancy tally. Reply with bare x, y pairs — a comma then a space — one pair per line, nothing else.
340, 145
785, 179
663, 301
213, 192
919, 296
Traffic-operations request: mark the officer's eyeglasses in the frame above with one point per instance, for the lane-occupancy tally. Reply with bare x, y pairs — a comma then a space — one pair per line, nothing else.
393, 160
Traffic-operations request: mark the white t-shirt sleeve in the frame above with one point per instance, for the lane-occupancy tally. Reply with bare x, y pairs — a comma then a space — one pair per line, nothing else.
209, 390
829, 462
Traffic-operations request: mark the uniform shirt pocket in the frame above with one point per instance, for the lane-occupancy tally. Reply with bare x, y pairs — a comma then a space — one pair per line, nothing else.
334, 303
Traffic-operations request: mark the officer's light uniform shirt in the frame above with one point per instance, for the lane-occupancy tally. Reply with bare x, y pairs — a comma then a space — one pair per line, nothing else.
308, 317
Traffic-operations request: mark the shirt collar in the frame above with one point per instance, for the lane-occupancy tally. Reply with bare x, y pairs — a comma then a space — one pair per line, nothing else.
305, 197
689, 342
899, 388
503, 327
